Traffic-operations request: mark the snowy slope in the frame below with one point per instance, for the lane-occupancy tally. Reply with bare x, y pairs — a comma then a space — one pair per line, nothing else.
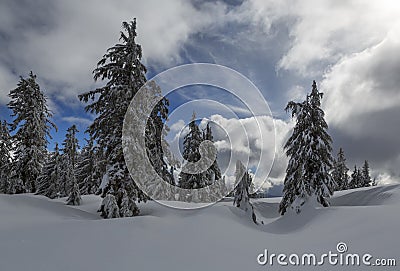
41, 234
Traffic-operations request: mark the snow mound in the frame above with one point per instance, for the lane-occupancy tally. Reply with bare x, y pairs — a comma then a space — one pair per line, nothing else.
38, 208
377, 195
41, 234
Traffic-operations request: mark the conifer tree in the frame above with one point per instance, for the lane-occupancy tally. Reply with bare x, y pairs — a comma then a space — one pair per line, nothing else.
5, 159
70, 150
213, 173
74, 196
110, 207
309, 151
191, 153
340, 171
70, 155
125, 74
71, 145
356, 179
32, 124
48, 180
242, 190
89, 169
366, 178
157, 147
65, 177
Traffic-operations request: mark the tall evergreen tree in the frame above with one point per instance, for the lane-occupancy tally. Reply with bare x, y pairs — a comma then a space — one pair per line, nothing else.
213, 173
5, 159
191, 153
110, 207
156, 145
242, 190
366, 178
70, 150
74, 196
89, 169
49, 180
309, 151
69, 160
340, 171
193, 144
32, 124
356, 179
125, 74
71, 145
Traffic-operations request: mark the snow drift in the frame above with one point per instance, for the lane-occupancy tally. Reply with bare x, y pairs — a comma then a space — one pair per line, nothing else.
41, 234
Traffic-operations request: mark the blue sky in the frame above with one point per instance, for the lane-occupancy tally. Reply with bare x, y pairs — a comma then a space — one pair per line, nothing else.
351, 48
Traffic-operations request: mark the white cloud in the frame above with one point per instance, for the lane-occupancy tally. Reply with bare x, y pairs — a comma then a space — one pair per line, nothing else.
262, 148
77, 120
7, 82
177, 126
296, 93
251, 140
322, 32
361, 104
364, 83
71, 36
385, 179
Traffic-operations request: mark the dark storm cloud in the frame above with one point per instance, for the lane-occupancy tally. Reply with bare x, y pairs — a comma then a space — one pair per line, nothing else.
362, 104
376, 140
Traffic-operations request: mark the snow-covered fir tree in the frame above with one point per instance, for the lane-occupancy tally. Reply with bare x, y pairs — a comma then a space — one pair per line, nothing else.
242, 190
74, 196
70, 156
89, 170
49, 180
31, 125
191, 153
5, 159
156, 145
366, 178
68, 184
309, 151
70, 150
121, 67
126, 209
65, 181
340, 171
356, 180
110, 207
213, 173
71, 145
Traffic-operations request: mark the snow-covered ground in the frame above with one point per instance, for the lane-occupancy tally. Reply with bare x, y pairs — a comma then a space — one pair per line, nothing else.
41, 234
